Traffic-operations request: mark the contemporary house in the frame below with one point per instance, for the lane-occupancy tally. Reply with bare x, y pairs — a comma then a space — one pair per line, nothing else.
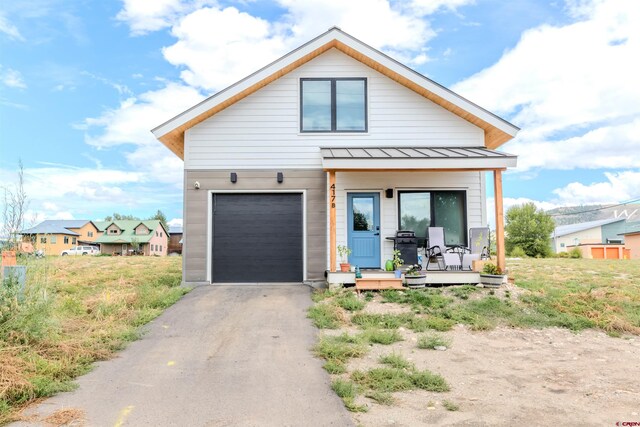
128, 237
333, 144
54, 236
596, 239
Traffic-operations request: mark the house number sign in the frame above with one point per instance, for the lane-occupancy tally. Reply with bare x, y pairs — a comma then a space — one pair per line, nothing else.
333, 196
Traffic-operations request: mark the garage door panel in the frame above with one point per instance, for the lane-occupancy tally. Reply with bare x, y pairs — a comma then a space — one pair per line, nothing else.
257, 238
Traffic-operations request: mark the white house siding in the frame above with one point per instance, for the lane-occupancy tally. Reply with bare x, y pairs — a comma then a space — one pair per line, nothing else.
262, 131
347, 182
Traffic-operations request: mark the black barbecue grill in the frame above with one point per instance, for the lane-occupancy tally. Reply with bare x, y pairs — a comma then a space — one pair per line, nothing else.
407, 243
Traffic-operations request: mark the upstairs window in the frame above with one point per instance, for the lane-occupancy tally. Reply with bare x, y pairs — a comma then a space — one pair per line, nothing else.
333, 105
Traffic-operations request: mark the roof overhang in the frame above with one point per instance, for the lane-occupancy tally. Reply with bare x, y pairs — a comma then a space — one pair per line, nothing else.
415, 158
497, 131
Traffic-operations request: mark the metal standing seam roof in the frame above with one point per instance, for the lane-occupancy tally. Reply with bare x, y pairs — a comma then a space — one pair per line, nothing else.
128, 231
631, 228
563, 230
412, 153
57, 226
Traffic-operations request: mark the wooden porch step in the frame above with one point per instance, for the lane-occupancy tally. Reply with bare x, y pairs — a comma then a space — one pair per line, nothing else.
378, 283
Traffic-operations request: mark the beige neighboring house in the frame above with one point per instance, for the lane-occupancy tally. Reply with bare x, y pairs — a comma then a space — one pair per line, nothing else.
55, 236
595, 239
129, 237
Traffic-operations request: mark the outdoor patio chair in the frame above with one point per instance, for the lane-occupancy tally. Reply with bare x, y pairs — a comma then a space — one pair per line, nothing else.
435, 249
479, 243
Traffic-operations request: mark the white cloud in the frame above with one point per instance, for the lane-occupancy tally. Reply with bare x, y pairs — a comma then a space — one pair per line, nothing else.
131, 122
9, 29
619, 187
12, 78
147, 16
578, 79
175, 222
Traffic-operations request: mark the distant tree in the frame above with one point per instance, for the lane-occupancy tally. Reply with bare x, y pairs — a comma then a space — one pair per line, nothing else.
15, 204
160, 216
116, 217
530, 229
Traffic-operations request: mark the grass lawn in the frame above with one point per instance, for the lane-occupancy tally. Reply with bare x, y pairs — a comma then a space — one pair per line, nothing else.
75, 311
576, 294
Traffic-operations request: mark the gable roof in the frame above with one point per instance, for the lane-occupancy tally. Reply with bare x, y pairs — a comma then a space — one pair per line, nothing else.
128, 231
497, 131
57, 226
563, 230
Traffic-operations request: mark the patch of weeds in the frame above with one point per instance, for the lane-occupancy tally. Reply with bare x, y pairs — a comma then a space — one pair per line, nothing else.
392, 379
463, 292
427, 299
450, 406
386, 321
381, 397
392, 295
332, 348
348, 391
324, 316
421, 324
429, 381
368, 296
382, 336
431, 341
350, 302
396, 361
322, 294
334, 367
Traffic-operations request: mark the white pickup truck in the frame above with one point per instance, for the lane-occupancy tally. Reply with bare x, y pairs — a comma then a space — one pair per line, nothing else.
81, 250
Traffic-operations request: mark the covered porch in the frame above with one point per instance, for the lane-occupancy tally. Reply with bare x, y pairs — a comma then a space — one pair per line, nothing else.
373, 192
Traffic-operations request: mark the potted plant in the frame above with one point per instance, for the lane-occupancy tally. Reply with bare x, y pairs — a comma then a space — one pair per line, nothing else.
415, 277
397, 262
344, 253
491, 275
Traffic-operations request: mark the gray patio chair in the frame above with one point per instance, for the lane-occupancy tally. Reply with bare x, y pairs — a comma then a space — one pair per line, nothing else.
435, 249
479, 243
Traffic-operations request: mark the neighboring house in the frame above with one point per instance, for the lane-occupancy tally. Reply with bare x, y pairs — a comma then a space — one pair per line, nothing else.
124, 237
594, 236
278, 165
175, 240
632, 240
54, 236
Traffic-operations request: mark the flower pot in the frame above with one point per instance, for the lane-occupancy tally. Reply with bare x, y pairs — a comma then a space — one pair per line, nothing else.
345, 267
398, 274
416, 281
491, 280
388, 266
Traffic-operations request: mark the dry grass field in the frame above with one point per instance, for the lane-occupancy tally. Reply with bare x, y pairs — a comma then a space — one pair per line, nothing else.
73, 312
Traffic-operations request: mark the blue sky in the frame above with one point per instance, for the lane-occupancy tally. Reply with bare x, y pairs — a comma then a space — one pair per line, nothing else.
82, 83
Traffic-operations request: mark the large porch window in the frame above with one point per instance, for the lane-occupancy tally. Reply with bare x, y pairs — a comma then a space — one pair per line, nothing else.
419, 209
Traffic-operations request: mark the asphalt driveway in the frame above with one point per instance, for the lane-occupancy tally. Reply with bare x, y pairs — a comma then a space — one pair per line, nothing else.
222, 356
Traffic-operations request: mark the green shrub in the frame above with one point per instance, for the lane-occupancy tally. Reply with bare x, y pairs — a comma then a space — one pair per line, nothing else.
575, 253
518, 252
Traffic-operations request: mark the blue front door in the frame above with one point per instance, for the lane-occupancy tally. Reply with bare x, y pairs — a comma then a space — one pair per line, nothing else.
363, 235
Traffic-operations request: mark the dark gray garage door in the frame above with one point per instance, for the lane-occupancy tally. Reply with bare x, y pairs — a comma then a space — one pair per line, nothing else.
257, 238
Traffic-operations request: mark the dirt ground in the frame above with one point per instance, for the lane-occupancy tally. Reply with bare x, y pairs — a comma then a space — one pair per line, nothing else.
545, 377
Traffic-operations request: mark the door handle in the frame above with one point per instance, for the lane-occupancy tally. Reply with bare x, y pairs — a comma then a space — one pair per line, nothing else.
376, 234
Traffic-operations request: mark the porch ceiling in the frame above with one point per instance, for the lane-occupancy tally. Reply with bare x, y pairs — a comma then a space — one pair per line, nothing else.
415, 158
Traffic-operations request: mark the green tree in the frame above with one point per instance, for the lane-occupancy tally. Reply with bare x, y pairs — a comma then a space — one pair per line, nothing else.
160, 216
529, 229
116, 217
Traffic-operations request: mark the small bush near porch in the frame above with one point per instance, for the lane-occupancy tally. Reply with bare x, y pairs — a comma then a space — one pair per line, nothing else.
74, 311
565, 336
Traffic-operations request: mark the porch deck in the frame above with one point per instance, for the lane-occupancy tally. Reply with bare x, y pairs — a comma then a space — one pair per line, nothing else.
434, 277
